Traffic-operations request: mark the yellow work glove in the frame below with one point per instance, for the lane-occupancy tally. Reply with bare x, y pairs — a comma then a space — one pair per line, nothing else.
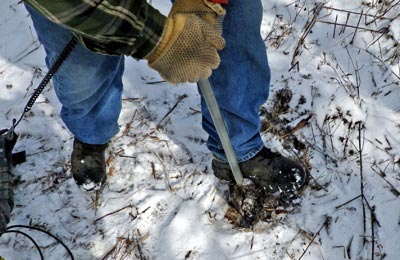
188, 49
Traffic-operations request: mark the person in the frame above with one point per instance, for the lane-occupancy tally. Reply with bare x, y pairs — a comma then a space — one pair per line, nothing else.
198, 39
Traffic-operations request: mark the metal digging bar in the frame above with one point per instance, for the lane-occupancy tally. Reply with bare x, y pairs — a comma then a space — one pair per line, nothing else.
211, 102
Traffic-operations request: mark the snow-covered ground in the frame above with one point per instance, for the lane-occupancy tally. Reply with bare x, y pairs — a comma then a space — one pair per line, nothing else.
334, 105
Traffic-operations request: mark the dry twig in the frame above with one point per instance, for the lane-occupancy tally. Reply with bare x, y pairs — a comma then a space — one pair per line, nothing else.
325, 224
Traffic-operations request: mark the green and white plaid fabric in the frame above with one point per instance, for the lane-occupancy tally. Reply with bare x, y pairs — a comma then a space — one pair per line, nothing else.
113, 27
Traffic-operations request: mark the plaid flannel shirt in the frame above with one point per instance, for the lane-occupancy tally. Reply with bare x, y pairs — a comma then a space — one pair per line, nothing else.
113, 27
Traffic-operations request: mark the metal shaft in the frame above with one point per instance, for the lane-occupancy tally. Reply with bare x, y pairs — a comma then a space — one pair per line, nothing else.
211, 102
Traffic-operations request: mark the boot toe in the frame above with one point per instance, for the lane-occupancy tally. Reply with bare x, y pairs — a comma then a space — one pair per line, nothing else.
88, 166
274, 172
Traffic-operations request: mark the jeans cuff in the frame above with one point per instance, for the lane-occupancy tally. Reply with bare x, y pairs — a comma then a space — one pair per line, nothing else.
253, 152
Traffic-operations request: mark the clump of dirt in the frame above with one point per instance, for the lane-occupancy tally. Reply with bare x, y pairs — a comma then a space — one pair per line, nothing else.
251, 204
275, 122
281, 101
280, 105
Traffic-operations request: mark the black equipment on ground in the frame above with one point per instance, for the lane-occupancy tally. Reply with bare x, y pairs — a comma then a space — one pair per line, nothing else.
8, 138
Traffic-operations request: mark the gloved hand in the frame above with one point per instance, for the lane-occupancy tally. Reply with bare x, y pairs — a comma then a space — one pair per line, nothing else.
188, 49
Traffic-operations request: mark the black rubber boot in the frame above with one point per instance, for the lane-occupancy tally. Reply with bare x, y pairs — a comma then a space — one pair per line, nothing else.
88, 165
275, 173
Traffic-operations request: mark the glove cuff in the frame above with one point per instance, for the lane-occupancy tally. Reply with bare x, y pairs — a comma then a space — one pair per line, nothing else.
159, 48
220, 1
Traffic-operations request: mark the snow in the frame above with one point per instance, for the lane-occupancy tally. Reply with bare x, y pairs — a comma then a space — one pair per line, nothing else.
161, 195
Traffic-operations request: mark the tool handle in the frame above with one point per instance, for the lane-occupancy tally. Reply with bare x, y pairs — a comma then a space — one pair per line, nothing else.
213, 108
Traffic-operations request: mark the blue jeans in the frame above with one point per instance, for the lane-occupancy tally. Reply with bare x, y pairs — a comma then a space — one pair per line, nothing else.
89, 85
